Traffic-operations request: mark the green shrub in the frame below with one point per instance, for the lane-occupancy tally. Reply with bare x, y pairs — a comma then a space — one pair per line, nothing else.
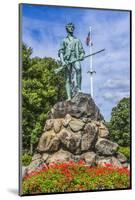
41, 89
26, 159
125, 151
119, 125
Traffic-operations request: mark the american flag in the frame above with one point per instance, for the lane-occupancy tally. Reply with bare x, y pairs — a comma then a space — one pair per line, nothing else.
88, 39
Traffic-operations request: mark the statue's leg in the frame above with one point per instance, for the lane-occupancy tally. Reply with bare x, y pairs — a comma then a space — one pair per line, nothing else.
77, 67
68, 84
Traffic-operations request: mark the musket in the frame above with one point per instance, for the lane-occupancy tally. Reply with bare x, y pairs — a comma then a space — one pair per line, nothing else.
64, 66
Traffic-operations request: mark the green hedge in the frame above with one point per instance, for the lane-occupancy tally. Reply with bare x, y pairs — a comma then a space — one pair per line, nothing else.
125, 151
26, 159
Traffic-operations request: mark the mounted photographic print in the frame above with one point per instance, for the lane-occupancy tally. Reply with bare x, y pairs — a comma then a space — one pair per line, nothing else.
75, 107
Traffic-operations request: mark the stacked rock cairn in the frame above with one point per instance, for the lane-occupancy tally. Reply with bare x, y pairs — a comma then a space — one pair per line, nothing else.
75, 130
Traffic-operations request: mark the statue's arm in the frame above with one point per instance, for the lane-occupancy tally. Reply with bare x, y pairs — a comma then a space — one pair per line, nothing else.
81, 51
61, 52
62, 58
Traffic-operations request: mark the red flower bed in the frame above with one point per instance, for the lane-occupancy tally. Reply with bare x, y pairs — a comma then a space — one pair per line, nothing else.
72, 176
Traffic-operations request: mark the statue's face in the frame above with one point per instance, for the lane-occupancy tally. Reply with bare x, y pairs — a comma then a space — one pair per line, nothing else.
70, 29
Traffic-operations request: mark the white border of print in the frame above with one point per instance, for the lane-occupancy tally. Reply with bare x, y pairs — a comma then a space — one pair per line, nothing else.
9, 99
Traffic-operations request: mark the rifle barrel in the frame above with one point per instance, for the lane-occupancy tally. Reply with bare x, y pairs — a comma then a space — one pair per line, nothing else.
62, 67
89, 55
94, 53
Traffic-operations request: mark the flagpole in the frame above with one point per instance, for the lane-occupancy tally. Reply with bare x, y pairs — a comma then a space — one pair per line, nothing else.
91, 67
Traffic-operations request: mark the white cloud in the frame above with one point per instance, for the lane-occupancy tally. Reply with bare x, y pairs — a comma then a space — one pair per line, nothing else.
115, 97
116, 84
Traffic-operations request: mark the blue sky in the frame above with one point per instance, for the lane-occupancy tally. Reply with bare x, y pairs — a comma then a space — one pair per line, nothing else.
43, 28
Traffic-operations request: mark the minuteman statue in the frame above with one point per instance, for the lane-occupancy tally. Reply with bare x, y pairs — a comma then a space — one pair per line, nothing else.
71, 49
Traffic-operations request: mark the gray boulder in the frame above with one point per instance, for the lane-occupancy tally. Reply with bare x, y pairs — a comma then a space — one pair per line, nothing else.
48, 124
89, 137
35, 166
103, 161
103, 131
36, 156
57, 125
106, 147
70, 141
80, 106
90, 158
49, 142
45, 156
59, 156
76, 125
66, 120
121, 157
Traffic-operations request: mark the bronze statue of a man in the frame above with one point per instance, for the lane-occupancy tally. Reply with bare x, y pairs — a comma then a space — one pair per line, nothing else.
71, 49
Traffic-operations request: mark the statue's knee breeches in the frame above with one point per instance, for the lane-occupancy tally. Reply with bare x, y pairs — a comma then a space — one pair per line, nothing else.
77, 67
68, 77
68, 85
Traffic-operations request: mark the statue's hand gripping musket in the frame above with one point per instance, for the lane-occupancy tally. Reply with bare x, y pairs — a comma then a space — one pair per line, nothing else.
60, 68
71, 62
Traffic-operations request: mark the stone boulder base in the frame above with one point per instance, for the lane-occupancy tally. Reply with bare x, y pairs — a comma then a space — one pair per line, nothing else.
75, 131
